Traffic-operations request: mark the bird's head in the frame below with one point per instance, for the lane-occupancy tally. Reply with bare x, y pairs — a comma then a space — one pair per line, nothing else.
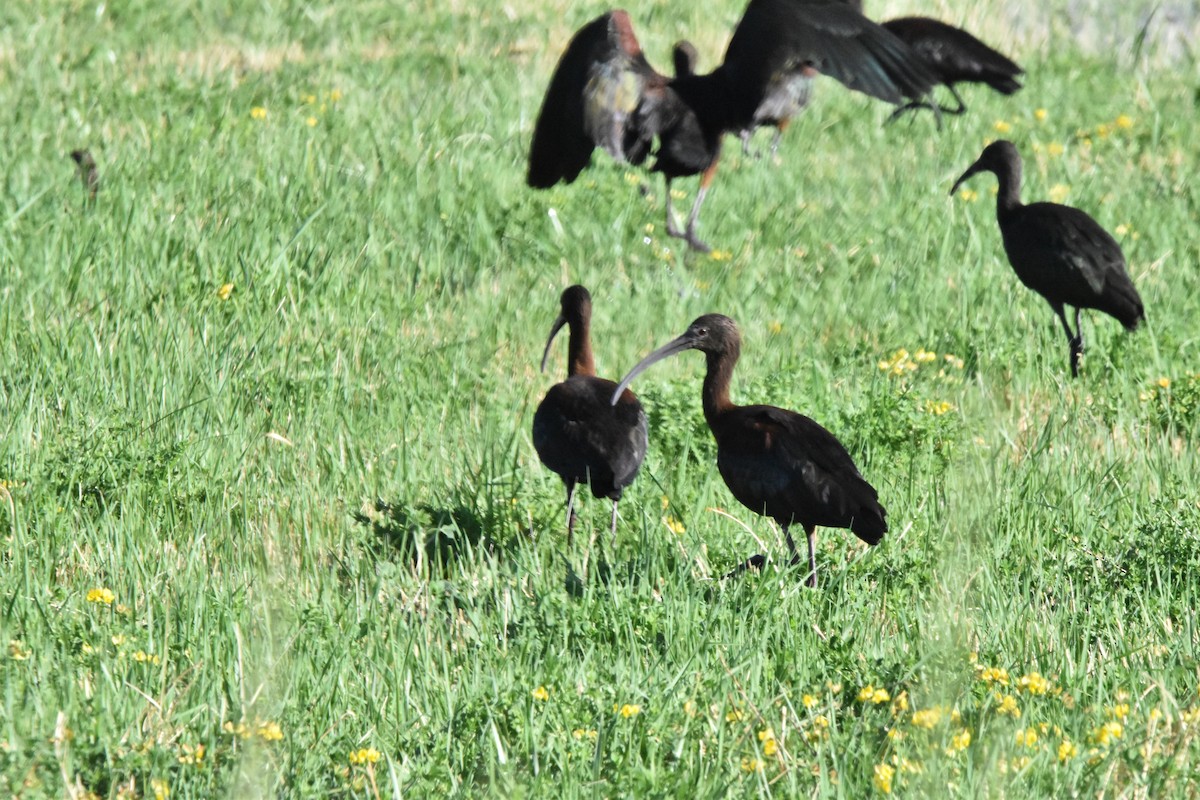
995, 158
685, 57
575, 306
713, 334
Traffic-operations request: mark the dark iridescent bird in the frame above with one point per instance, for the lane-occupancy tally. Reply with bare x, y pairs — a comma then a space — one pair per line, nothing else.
605, 94
577, 431
775, 462
1058, 251
85, 167
955, 56
785, 100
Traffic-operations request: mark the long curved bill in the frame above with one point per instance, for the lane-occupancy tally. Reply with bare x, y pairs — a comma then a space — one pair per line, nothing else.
677, 345
971, 170
558, 324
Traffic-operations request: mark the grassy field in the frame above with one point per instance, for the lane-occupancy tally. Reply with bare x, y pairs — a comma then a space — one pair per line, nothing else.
272, 524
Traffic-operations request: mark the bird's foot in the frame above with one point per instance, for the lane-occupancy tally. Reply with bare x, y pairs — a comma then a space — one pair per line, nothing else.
1076, 352
754, 562
694, 242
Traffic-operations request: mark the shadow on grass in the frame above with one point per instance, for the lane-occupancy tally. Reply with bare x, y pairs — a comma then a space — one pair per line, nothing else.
425, 534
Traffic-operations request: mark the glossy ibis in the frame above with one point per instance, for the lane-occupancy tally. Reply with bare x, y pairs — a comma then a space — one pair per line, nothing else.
776, 462
955, 56
1058, 251
85, 167
577, 432
604, 93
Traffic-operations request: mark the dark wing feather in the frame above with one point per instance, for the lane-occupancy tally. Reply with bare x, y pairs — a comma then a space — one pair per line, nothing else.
955, 55
1067, 257
595, 99
777, 38
788, 466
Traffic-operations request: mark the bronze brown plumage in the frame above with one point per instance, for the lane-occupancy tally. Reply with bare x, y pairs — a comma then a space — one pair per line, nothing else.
89, 176
1058, 251
775, 462
605, 94
577, 432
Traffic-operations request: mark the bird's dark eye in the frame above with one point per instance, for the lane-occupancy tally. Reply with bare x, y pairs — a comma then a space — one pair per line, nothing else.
702, 331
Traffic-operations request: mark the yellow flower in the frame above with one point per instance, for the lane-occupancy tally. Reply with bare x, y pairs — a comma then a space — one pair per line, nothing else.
674, 525
629, 710
968, 195
311, 122
258, 112
239, 730
751, 764
1108, 732
160, 789
994, 675
1067, 750
1040, 115
1008, 706
225, 290
1102, 131
869, 694
1124, 122
541, 693
769, 745
775, 326
922, 355
335, 95
900, 703
1001, 126
86, 649
141, 656
1027, 737
911, 767
309, 99
192, 754
883, 777
1190, 717
17, 650
939, 407
720, 255
1163, 382
927, 717
821, 721
270, 731
678, 194
1059, 192
584, 733
1033, 683
960, 741
123, 609
101, 596
808, 701
1119, 711
364, 755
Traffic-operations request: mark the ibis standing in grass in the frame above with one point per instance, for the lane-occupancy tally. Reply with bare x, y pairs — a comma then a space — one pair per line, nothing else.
775, 462
577, 432
1058, 251
604, 93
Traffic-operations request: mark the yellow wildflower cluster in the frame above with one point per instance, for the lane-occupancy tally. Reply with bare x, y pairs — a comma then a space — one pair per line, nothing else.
628, 710
968, 195
101, 595
959, 742
192, 754
1006, 705
720, 255
769, 745
927, 717
1119, 711
1027, 737
1107, 733
258, 112
750, 764
17, 650
869, 694
584, 733
541, 693
160, 789
142, 657
884, 773
993, 675
1033, 683
819, 731
808, 701
1059, 192
270, 731
225, 290
938, 407
364, 756
902, 362
1067, 750
673, 525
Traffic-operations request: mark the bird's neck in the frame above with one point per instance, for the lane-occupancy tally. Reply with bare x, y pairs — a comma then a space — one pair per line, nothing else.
1008, 199
716, 385
580, 360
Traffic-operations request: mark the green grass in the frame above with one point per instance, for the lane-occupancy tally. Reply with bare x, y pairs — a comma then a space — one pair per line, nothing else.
318, 509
